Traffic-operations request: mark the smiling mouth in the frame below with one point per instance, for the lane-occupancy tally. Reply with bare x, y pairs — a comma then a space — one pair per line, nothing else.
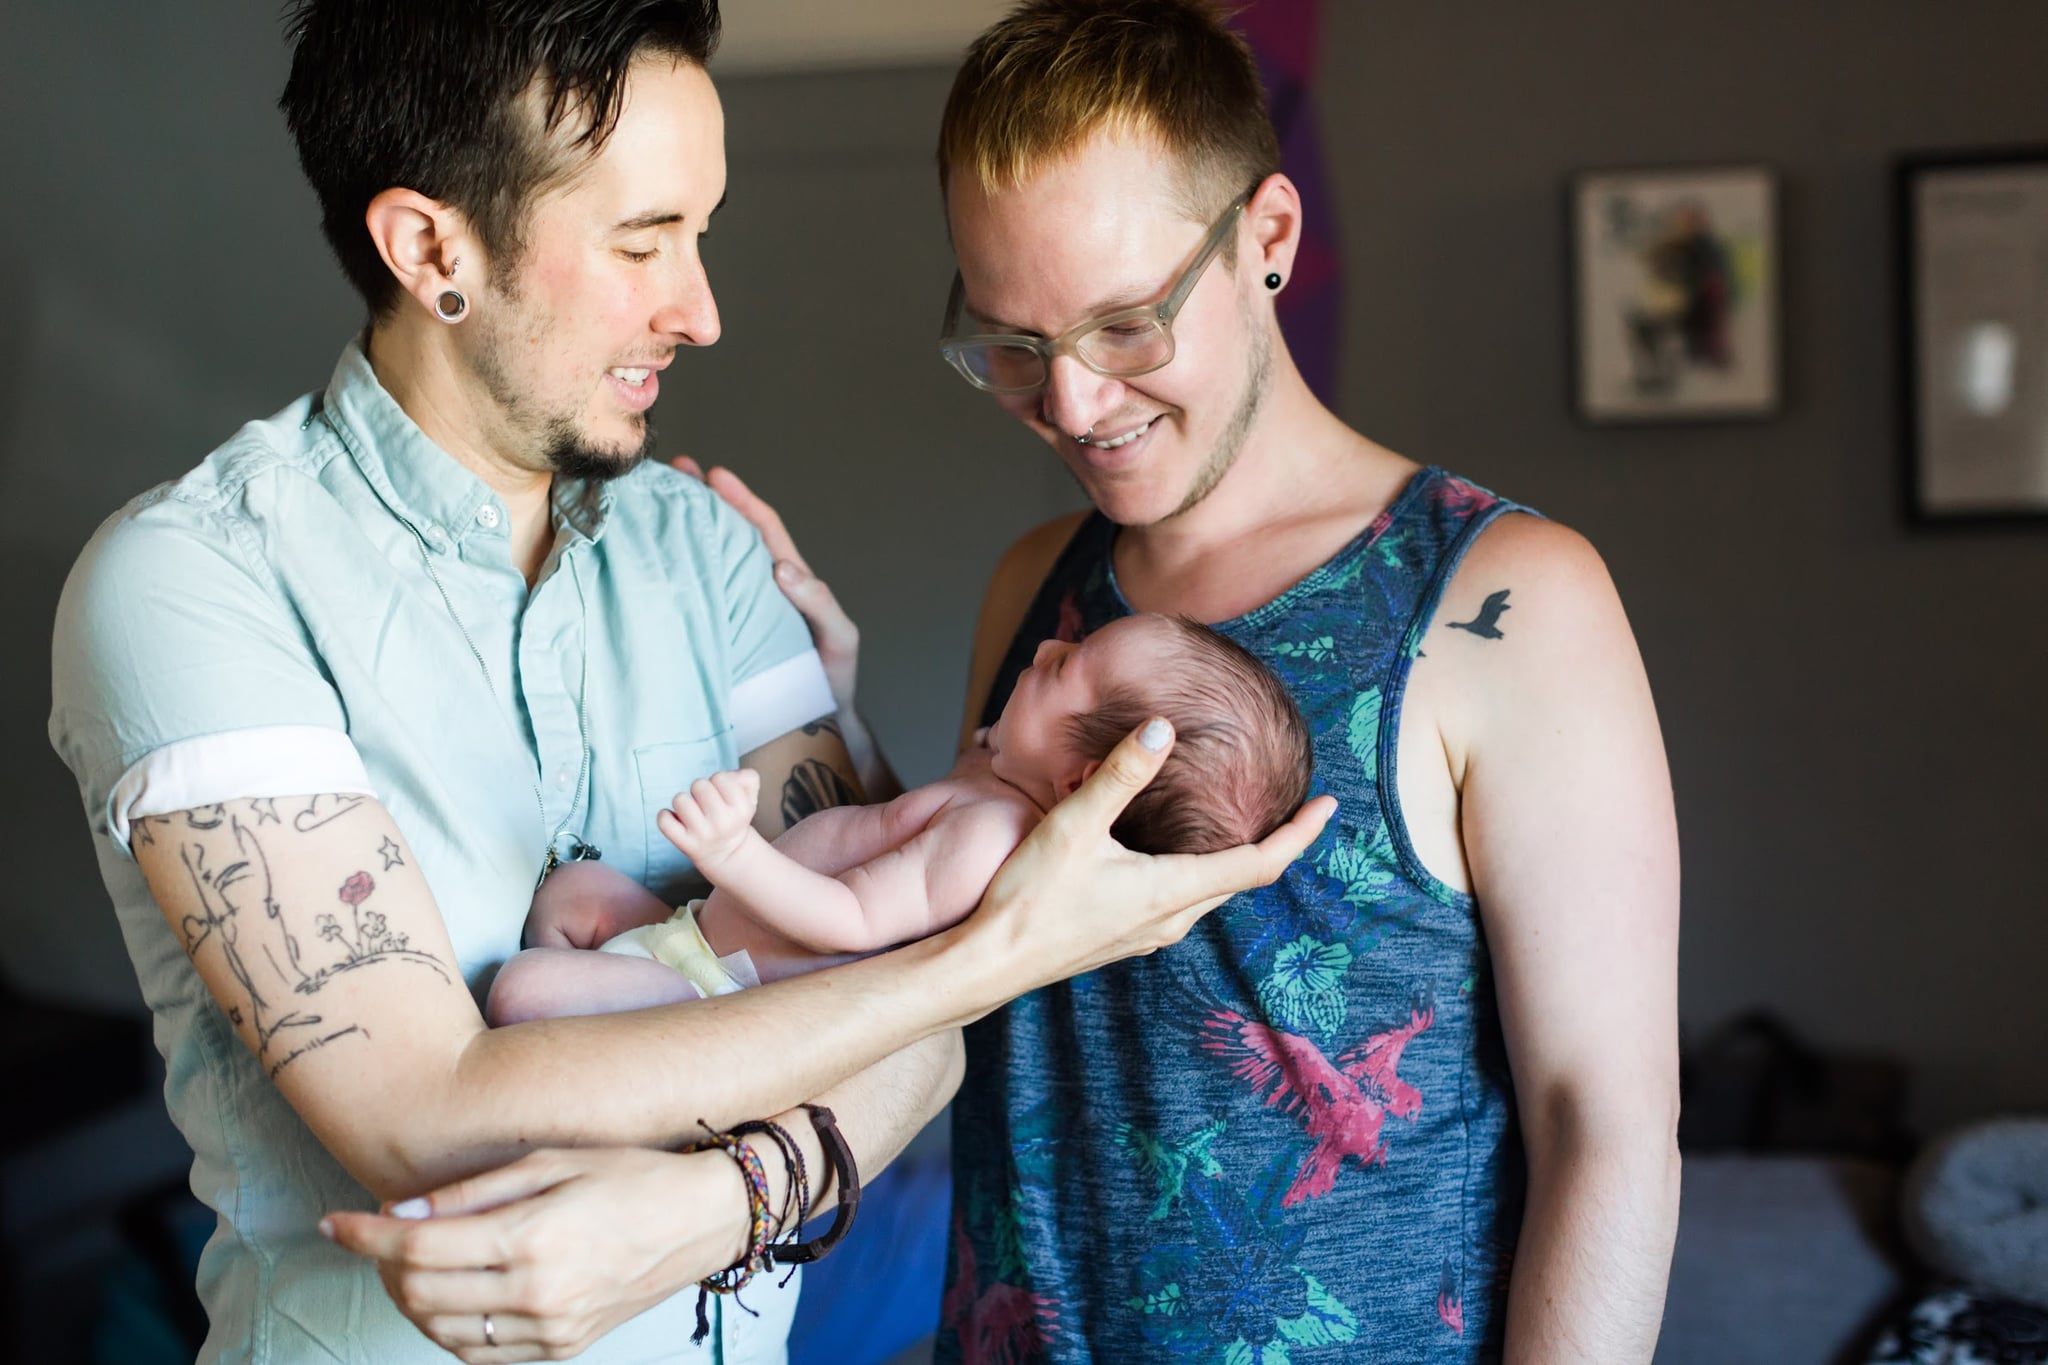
633, 377
1116, 442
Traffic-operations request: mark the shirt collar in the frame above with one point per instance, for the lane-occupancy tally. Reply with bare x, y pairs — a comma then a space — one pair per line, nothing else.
422, 483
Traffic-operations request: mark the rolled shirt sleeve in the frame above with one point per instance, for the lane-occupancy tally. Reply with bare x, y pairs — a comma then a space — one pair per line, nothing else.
778, 681
178, 679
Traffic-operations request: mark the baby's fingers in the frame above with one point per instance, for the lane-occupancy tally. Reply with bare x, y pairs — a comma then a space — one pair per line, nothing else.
740, 788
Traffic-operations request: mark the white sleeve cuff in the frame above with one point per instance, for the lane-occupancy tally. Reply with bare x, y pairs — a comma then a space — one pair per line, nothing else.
777, 700
268, 760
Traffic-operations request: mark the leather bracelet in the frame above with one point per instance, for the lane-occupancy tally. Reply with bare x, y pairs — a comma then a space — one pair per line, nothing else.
839, 1159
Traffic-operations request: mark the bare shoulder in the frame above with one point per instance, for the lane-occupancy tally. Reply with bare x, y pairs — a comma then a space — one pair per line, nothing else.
1527, 587
1529, 627
1010, 590
978, 801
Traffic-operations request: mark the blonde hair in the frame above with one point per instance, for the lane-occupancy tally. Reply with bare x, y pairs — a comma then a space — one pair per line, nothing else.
1053, 73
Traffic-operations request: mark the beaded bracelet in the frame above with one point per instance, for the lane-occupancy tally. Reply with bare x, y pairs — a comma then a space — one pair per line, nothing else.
736, 1276
796, 1193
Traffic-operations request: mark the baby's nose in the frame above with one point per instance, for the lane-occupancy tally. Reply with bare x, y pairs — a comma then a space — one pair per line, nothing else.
1045, 648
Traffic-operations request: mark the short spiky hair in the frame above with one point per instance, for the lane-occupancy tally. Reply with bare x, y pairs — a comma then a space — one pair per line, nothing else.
1242, 756
458, 99
1052, 73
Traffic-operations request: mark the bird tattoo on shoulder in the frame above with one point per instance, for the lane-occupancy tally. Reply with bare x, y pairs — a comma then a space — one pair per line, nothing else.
1486, 625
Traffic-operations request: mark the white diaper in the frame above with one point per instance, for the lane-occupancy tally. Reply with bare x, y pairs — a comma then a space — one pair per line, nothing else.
677, 942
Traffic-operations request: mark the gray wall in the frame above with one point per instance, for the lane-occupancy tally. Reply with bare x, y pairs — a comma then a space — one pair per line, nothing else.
1853, 711
1850, 708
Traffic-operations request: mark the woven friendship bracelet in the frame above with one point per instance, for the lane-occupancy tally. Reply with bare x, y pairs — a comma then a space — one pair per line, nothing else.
736, 1276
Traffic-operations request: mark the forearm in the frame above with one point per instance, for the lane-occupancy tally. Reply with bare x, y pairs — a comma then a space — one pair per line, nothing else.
1595, 1252
647, 1078
878, 1112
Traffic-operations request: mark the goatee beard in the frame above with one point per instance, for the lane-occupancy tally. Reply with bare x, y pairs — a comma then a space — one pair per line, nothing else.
573, 457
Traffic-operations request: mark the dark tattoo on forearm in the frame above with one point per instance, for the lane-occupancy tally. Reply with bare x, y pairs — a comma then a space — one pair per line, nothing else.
1486, 625
825, 725
813, 786
317, 1043
239, 909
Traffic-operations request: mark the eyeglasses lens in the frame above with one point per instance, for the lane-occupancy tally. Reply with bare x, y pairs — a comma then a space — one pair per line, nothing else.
1131, 347
1005, 368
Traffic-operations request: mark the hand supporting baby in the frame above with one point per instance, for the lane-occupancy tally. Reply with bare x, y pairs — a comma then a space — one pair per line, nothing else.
714, 819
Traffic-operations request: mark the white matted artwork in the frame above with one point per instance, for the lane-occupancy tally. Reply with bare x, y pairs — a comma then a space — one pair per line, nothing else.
1676, 294
1975, 232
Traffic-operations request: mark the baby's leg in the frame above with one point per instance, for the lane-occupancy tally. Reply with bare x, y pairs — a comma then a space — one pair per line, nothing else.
550, 983
583, 904
579, 906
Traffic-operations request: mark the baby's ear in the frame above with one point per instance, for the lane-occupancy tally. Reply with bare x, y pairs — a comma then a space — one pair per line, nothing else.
1072, 784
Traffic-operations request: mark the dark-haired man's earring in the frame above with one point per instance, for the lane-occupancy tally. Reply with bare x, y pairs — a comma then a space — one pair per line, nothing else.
1273, 281
451, 306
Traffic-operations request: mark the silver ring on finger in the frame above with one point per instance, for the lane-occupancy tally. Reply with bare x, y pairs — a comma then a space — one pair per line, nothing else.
490, 1332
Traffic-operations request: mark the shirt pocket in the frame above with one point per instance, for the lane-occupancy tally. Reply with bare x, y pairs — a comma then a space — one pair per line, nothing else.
664, 770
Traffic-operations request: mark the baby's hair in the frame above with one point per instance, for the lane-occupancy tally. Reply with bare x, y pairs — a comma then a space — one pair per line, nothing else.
1242, 757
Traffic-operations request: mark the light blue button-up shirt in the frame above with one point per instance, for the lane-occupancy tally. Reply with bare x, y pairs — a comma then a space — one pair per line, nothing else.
328, 603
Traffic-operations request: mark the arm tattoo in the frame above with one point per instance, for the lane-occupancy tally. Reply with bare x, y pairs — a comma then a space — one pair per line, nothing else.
1486, 625
813, 785
824, 725
256, 932
322, 809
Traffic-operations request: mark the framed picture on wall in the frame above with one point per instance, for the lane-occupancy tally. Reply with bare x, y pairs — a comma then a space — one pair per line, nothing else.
1973, 237
1675, 287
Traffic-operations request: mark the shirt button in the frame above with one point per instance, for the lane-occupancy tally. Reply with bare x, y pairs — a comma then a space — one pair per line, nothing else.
487, 517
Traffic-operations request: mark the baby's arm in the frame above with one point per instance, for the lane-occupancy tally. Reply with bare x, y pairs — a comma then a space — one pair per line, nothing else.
873, 904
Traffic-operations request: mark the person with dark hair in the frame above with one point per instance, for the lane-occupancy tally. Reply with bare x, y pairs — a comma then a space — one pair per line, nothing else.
339, 697
858, 879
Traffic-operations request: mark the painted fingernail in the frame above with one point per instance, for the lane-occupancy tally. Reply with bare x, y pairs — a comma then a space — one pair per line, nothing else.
1155, 734
327, 1228
411, 1208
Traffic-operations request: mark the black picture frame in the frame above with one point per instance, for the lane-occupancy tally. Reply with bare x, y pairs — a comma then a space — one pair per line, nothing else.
1971, 231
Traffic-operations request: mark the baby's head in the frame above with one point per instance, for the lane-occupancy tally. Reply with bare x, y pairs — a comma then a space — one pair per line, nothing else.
1241, 757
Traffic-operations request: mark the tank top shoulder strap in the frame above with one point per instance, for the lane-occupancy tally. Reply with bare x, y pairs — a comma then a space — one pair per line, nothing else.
1425, 537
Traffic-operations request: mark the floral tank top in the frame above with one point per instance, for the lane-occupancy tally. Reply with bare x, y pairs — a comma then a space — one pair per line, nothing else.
1290, 1138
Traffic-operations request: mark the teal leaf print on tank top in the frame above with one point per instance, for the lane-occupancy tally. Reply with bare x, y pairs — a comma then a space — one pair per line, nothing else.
1362, 733
1305, 990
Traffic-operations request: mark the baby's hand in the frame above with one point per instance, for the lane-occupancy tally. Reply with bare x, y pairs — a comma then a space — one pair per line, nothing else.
711, 820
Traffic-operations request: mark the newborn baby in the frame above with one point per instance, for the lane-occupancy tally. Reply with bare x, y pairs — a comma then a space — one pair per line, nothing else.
856, 879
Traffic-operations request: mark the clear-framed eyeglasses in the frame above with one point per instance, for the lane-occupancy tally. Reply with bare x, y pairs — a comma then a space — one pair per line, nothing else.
1119, 345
